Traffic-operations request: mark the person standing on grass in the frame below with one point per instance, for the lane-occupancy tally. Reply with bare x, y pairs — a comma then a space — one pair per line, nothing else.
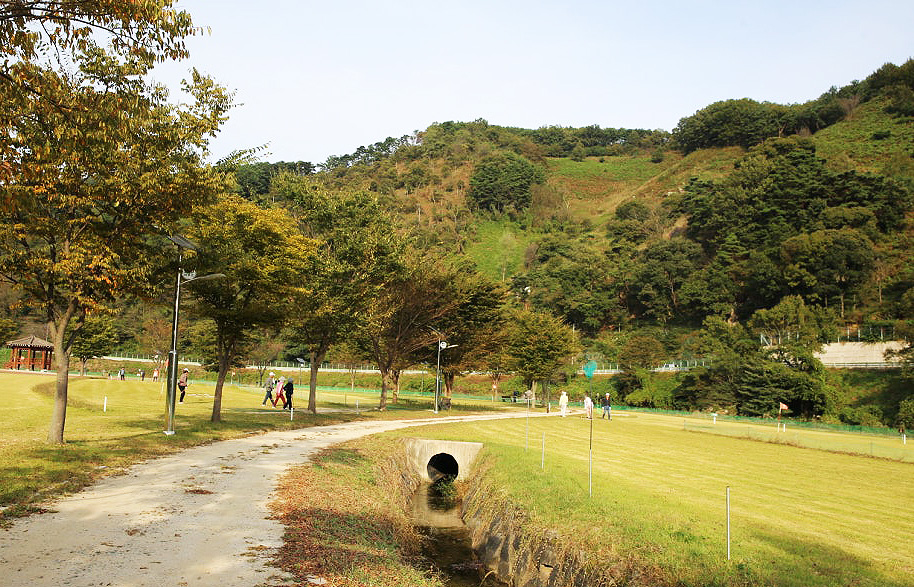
563, 403
279, 396
288, 389
588, 407
182, 384
268, 387
607, 408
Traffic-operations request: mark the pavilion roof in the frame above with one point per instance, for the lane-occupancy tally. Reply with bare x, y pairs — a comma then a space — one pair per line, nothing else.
32, 342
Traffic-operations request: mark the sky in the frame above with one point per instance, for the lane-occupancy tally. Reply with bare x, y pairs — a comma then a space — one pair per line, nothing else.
315, 79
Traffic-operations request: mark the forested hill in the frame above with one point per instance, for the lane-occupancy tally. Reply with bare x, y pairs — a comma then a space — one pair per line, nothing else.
744, 206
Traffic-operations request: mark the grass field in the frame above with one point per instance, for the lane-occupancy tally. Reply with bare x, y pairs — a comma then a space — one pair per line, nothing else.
800, 517
113, 424
498, 249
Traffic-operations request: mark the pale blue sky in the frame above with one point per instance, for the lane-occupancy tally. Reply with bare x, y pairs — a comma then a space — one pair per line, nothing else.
315, 79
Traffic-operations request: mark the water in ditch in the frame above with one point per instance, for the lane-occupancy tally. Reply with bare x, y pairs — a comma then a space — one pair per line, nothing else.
447, 539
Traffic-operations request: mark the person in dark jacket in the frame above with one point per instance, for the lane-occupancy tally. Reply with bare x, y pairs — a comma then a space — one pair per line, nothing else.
288, 389
607, 408
268, 388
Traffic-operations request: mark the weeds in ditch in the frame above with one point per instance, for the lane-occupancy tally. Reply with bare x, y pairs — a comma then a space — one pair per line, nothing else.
345, 521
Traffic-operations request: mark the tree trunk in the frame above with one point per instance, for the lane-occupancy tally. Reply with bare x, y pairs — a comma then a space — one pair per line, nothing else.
382, 404
395, 380
225, 343
449, 383
59, 414
317, 357
62, 359
544, 385
224, 363
82, 367
217, 395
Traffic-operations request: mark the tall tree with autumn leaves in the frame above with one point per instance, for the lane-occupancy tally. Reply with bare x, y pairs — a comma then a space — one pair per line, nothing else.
265, 261
92, 157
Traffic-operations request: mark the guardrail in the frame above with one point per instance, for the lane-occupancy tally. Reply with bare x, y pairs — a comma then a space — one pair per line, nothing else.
882, 365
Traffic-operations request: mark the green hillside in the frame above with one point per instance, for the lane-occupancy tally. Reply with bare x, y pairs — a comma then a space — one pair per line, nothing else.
870, 139
749, 221
527, 205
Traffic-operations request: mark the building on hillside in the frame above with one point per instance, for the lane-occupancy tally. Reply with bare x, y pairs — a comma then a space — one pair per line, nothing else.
30, 353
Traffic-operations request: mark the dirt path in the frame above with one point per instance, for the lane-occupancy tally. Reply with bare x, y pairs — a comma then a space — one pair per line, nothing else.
197, 518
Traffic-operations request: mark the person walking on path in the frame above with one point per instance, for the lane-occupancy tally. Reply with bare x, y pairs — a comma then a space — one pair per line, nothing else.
563, 403
288, 389
279, 396
268, 388
588, 407
182, 384
607, 408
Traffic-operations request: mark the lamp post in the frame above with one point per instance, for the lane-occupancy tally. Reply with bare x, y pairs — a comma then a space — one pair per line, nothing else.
442, 345
172, 373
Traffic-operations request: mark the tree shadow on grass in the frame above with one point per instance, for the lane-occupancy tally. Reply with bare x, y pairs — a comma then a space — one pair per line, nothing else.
801, 563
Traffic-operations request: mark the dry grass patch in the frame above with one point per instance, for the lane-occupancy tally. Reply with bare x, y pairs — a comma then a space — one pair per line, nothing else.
346, 523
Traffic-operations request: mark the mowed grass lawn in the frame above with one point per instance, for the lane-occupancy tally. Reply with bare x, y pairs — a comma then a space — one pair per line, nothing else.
800, 517
113, 424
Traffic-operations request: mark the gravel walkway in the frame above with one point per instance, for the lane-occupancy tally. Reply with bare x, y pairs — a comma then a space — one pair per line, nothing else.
197, 518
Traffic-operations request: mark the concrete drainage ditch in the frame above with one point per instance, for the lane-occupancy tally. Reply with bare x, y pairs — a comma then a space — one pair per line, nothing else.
493, 529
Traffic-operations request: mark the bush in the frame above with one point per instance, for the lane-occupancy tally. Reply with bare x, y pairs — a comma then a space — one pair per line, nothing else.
503, 181
870, 416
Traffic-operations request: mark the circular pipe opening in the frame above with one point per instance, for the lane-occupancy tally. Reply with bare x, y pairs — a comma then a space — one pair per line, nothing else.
441, 466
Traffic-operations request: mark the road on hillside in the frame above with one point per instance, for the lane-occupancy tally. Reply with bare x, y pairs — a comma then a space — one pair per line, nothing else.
197, 518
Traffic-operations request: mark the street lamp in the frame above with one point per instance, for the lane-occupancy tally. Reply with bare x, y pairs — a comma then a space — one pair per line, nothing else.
442, 345
172, 374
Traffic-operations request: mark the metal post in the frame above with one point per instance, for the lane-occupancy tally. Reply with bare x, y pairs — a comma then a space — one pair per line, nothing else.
438, 375
590, 458
172, 374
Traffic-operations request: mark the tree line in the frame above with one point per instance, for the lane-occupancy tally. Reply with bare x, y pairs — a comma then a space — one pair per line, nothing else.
99, 169
746, 122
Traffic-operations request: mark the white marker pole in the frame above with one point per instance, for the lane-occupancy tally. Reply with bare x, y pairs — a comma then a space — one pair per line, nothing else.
291, 414
728, 522
105, 407
590, 461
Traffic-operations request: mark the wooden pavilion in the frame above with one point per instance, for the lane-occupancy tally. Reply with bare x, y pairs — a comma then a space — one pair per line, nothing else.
30, 353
